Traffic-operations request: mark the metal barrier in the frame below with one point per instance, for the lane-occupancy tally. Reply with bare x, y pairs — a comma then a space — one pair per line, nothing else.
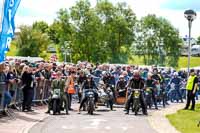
2, 91
41, 94
41, 91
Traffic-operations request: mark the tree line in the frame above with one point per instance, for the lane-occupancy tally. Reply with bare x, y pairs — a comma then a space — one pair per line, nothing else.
106, 32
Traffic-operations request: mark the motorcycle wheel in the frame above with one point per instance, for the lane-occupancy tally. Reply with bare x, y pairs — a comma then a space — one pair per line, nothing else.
136, 107
54, 107
90, 108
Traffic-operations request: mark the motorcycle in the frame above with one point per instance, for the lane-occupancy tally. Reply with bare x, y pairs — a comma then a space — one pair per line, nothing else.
106, 97
90, 101
56, 101
110, 98
135, 93
148, 96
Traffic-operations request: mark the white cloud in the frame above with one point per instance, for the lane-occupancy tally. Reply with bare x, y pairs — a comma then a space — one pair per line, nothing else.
42, 10
46, 10
176, 17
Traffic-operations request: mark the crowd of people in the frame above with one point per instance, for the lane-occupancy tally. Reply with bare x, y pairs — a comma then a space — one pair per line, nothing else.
37, 80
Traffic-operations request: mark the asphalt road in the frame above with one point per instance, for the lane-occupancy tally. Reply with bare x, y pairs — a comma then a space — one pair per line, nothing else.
103, 121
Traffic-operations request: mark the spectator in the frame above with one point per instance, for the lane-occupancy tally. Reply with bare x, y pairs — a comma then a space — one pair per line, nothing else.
27, 81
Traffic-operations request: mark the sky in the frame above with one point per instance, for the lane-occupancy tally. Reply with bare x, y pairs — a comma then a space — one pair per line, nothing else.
30, 11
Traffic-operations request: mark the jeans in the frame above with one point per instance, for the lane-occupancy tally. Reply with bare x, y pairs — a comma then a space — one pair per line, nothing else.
7, 98
69, 98
178, 95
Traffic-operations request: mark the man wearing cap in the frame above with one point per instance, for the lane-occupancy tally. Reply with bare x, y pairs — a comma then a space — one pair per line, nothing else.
58, 83
192, 85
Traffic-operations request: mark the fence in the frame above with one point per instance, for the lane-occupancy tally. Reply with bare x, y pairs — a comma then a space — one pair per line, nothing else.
2, 91
41, 94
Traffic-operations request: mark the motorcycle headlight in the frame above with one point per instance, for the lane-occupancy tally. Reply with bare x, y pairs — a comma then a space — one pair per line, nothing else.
91, 96
90, 93
136, 91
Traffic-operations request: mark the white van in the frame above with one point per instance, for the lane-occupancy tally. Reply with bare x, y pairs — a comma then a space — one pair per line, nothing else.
195, 50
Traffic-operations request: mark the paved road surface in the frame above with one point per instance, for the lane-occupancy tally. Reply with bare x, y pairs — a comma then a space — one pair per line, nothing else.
103, 121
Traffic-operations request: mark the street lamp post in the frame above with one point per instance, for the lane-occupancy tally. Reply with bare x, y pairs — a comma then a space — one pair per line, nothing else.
161, 45
70, 53
190, 15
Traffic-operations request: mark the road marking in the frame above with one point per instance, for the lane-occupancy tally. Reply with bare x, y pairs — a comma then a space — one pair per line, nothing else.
68, 127
90, 127
96, 122
124, 128
107, 128
64, 127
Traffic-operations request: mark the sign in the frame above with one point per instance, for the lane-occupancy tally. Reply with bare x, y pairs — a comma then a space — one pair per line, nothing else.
7, 25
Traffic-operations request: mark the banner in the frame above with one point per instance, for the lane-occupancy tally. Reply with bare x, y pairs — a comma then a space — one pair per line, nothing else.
7, 26
1, 12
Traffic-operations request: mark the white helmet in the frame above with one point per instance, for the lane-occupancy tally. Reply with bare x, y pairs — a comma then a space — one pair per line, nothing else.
175, 73
104, 73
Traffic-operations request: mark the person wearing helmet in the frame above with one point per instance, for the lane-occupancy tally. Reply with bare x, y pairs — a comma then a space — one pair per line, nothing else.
136, 83
87, 84
109, 81
150, 84
121, 86
176, 81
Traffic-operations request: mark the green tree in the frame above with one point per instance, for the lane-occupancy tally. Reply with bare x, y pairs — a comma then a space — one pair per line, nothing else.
119, 23
157, 41
31, 42
88, 42
40, 26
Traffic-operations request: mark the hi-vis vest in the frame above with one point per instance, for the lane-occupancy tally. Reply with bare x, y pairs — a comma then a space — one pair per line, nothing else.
190, 82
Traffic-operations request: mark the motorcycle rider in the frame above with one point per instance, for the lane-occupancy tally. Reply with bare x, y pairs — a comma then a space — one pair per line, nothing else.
177, 81
58, 83
136, 83
157, 82
121, 86
88, 84
150, 83
109, 80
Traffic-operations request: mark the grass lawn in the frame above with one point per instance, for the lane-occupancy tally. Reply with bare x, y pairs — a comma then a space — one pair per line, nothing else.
185, 120
137, 60
183, 61
12, 51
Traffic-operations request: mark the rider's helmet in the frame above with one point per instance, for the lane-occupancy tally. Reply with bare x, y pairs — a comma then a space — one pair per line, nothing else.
88, 75
104, 73
175, 74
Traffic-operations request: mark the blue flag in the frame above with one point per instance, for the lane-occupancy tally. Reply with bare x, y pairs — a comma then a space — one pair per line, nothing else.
7, 26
